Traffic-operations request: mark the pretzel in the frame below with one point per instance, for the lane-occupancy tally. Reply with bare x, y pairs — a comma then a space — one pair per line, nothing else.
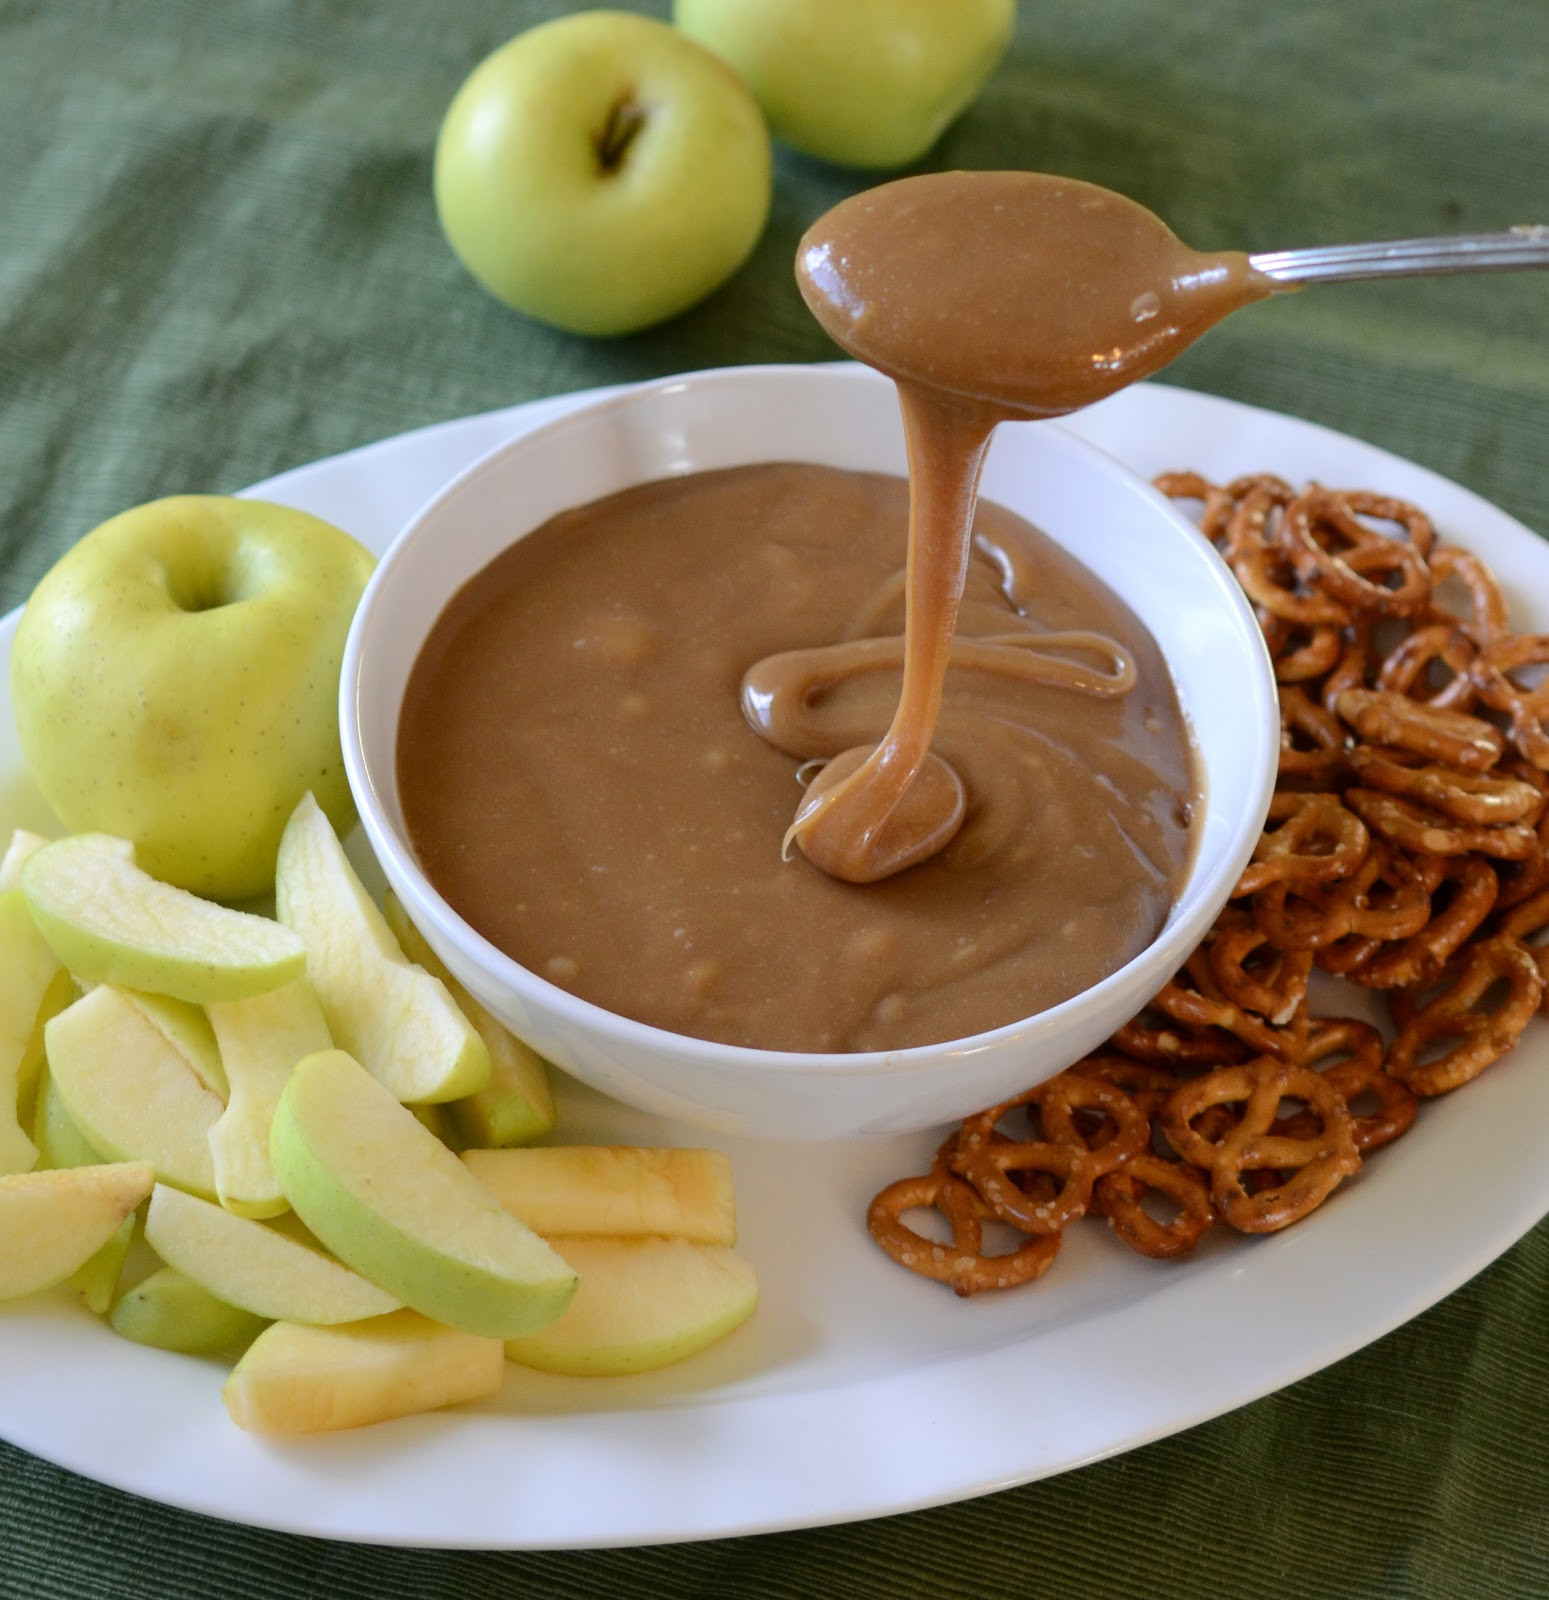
1429, 833
961, 1264
1484, 798
1417, 959
1119, 1197
1409, 666
1382, 716
1488, 618
1316, 1164
1276, 994
1482, 1036
1317, 842
1527, 708
1359, 1074
1122, 1131
1406, 850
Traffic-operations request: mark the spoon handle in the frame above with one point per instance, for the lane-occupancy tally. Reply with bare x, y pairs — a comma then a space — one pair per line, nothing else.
1523, 246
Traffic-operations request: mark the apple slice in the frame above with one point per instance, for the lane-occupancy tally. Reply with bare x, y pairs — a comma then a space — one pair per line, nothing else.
618, 1189
188, 1031
387, 1197
52, 1222
23, 847
255, 1268
27, 969
261, 1039
396, 1020
96, 1279
109, 922
642, 1304
518, 1105
172, 1312
129, 1092
60, 1143
297, 1379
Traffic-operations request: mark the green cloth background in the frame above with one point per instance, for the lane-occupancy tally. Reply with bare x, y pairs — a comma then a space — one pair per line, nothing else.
218, 259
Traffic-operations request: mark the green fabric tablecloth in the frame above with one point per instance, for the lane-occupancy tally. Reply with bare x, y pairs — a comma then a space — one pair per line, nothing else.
218, 259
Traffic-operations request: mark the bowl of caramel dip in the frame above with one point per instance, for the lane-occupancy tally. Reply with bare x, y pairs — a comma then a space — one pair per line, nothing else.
597, 691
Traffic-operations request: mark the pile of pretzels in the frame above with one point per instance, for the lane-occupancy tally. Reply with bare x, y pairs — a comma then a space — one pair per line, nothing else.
1406, 851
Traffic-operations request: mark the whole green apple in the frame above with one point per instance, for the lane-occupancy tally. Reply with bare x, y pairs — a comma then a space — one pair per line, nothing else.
862, 83
175, 681
602, 172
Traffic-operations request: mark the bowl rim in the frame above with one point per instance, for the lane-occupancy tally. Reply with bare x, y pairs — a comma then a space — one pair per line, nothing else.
397, 858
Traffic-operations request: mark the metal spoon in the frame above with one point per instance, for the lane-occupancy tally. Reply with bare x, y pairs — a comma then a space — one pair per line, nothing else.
1524, 246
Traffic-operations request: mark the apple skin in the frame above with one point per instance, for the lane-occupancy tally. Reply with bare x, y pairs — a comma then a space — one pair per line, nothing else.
865, 83
175, 681
537, 215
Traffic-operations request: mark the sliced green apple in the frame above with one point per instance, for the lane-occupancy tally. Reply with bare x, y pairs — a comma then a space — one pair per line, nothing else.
60, 1143
129, 1092
188, 1031
390, 1200
52, 1222
96, 1279
23, 846
518, 1104
642, 1304
27, 969
297, 1379
255, 1268
172, 1312
260, 1039
109, 922
395, 1019
618, 1189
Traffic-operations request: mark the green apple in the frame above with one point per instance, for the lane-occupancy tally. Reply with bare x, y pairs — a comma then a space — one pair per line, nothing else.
131, 1094
256, 1268
171, 1312
29, 970
52, 1222
60, 1143
863, 83
389, 1199
395, 1019
518, 1105
188, 1031
261, 1039
110, 922
643, 1303
602, 172
296, 1379
613, 1189
175, 679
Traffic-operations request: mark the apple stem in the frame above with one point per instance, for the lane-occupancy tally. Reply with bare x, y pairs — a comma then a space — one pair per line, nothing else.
625, 121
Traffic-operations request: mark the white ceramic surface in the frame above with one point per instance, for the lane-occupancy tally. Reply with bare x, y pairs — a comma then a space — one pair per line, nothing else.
1130, 536
856, 1390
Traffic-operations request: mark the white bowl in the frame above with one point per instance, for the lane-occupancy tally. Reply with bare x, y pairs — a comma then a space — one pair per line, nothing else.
1126, 533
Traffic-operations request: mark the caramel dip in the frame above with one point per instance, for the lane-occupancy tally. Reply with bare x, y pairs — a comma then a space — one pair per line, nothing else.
609, 729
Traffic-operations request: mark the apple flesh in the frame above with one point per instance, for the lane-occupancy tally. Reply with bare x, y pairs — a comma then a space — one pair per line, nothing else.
298, 1380
175, 681
642, 1304
132, 1096
260, 1040
23, 846
602, 172
28, 970
613, 1189
188, 1031
518, 1104
256, 1268
110, 922
53, 1222
171, 1312
393, 1202
869, 83
395, 1019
